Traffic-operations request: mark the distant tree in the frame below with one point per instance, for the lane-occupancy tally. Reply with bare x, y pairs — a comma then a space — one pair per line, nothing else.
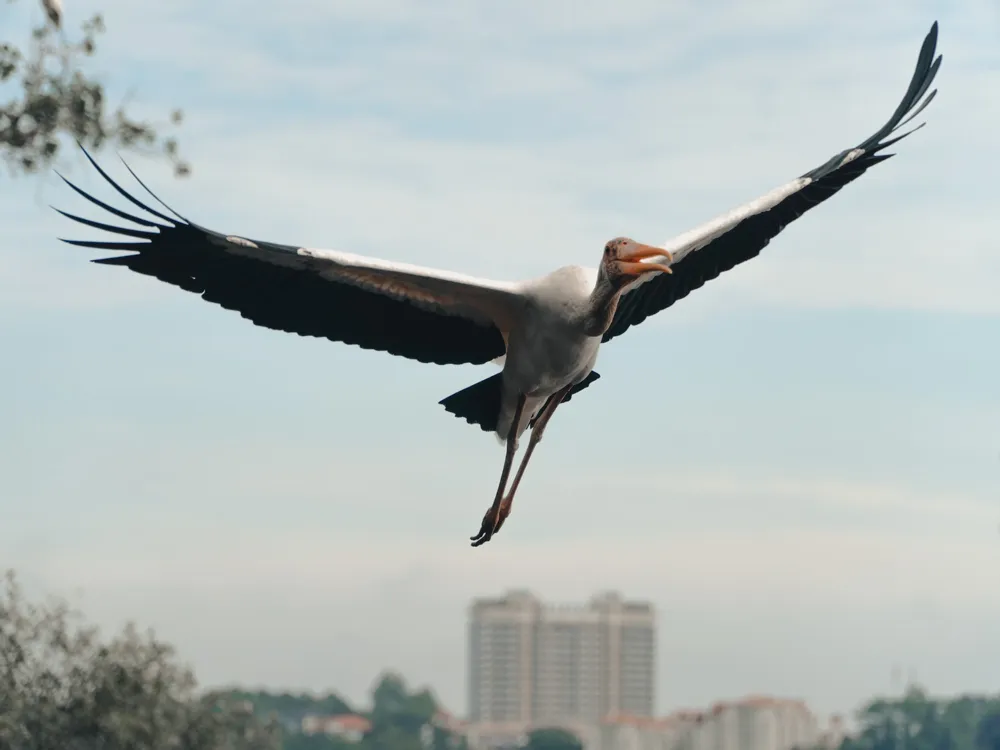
54, 97
961, 715
331, 704
392, 738
988, 731
895, 724
401, 720
291, 707
553, 738
918, 722
62, 686
389, 696
416, 712
394, 707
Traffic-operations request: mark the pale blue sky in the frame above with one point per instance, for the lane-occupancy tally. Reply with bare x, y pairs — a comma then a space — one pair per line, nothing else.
818, 493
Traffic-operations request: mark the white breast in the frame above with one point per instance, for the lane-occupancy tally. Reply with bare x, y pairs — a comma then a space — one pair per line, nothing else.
549, 350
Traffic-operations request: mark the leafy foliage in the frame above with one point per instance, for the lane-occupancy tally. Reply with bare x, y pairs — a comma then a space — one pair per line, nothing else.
918, 722
395, 708
62, 686
400, 719
988, 731
56, 97
553, 739
290, 708
397, 716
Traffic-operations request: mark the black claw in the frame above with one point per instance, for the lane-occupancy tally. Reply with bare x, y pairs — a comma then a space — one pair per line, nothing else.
492, 522
483, 536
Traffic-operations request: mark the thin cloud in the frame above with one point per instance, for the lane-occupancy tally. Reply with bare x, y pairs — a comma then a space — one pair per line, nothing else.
651, 155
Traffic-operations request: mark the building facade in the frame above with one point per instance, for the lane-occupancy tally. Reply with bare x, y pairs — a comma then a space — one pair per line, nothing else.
752, 723
532, 664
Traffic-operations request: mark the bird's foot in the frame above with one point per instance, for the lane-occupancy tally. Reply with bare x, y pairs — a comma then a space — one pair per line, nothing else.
492, 522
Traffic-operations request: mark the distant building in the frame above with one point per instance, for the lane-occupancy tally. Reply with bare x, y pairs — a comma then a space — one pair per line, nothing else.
591, 669
350, 727
753, 723
625, 732
532, 664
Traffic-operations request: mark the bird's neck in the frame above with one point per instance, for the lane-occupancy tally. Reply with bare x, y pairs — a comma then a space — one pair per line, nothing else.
601, 307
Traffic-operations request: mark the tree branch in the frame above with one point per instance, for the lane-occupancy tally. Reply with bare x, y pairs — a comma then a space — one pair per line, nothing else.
57, 98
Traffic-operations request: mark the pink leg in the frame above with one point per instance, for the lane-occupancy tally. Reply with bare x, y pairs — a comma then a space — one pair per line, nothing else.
491, 519
536, 437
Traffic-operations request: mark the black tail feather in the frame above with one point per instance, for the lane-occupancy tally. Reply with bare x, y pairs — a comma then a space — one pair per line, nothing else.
479, 404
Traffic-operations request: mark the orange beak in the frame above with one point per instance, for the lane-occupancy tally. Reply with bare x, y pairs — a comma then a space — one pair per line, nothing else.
631, 263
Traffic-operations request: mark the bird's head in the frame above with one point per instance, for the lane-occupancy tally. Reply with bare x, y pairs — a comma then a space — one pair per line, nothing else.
623, 260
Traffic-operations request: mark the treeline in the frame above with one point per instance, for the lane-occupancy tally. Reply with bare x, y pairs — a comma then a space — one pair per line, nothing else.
291, 708
65, 685
916, 721
400, 719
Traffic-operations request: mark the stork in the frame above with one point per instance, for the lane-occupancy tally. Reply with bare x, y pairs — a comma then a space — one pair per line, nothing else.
547, 331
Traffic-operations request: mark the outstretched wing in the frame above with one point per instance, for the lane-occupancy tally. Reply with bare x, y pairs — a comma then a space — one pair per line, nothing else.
410, 311
709, 250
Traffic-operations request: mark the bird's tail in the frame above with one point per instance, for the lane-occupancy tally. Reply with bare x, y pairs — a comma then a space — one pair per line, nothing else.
479, 404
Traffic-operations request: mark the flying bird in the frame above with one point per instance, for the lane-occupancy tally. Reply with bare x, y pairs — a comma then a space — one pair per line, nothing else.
546, 332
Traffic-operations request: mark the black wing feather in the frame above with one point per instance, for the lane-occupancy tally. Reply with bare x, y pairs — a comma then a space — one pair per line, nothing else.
745, 240
191, 257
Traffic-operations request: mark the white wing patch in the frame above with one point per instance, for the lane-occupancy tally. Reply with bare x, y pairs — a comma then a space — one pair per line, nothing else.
697, 238
851, 156
386, 285
241, 241
481, 300
443, 292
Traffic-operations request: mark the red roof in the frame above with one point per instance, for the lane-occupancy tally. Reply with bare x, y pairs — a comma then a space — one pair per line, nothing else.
351, 722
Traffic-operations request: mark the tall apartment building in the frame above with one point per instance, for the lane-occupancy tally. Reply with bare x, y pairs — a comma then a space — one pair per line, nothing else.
531, 663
